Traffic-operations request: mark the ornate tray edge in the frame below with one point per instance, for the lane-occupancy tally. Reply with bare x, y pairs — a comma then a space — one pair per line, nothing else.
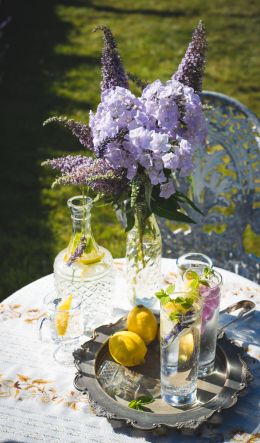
100, 411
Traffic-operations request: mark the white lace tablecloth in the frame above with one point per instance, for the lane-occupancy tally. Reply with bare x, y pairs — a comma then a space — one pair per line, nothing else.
38, 402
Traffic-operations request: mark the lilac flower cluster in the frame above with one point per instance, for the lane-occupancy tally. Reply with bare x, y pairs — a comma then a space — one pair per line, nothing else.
162, 129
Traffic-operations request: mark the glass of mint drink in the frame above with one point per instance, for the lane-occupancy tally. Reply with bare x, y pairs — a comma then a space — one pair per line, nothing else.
179, 347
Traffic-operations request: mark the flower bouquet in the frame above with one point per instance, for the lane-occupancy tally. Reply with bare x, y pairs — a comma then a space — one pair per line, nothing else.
138, 148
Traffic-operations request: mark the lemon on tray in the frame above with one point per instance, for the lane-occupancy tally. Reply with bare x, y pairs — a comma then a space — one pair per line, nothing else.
62, 317
142, 321
127, 348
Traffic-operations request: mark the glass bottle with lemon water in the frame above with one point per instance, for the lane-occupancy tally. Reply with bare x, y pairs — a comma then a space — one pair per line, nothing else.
85, 269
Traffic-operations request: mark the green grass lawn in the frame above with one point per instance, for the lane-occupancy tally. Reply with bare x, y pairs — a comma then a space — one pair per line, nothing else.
53, 67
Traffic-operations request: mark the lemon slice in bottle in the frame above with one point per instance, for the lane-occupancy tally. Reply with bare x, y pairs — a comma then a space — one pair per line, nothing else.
90, 258
62, 317
74, 242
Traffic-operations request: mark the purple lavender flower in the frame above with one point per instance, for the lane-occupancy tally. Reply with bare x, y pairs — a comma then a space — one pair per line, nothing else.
112, 67
191, 69
78, 251
80, 130
68, 163
98, 175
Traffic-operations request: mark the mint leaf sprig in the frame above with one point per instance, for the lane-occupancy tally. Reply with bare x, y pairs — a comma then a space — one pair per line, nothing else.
197, 280
139, 403
184, 302
208, 272
164, 295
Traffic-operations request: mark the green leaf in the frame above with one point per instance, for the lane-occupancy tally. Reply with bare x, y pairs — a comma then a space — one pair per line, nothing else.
170, 289
208, 272
173, 316
170, 214
179, 300
161, 294
132, 404
168, 203
130, 217
140, 401
167, 207
145, 399
183, 198
165, 300
186, 302
136, 404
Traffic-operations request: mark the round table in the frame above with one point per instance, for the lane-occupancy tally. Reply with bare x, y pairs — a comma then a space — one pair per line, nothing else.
38, 401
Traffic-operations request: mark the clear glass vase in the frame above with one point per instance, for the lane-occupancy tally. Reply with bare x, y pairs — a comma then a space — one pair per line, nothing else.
143, 262
88, 274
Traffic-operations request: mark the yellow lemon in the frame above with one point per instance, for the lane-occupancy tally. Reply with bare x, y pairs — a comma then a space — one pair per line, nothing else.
170, 306
143, 322
62, 317
127, 348
186, 347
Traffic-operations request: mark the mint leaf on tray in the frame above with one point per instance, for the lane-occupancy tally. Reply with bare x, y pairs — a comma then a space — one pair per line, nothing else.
139, 403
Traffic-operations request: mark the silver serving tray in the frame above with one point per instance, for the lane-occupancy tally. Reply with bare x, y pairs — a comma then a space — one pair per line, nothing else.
215, 392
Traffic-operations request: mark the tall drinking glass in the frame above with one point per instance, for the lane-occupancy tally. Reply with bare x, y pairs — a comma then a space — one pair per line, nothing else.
66, 327
195, 260
210, 291
179, 343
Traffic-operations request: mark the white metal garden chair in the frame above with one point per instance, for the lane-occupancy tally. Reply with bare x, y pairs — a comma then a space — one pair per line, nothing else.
225, 186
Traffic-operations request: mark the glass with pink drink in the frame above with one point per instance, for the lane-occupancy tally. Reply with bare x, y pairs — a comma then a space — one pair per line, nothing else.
209, 284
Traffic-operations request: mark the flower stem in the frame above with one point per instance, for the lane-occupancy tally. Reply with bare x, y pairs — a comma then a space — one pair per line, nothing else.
140, 226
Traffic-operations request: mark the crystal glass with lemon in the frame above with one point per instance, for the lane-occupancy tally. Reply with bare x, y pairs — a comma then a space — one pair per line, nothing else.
208, 282
180, 317
85, 268
66, 326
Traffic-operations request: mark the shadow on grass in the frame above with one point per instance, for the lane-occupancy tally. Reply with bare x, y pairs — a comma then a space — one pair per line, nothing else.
31, 67
185, 12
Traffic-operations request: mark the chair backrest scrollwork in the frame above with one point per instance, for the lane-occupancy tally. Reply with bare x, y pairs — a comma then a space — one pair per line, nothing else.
226, 187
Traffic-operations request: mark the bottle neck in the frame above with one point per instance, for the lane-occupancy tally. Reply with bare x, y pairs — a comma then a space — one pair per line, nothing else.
80, 207
81, 226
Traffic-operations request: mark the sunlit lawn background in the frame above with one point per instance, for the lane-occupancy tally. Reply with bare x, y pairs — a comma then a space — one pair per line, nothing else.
52, 66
